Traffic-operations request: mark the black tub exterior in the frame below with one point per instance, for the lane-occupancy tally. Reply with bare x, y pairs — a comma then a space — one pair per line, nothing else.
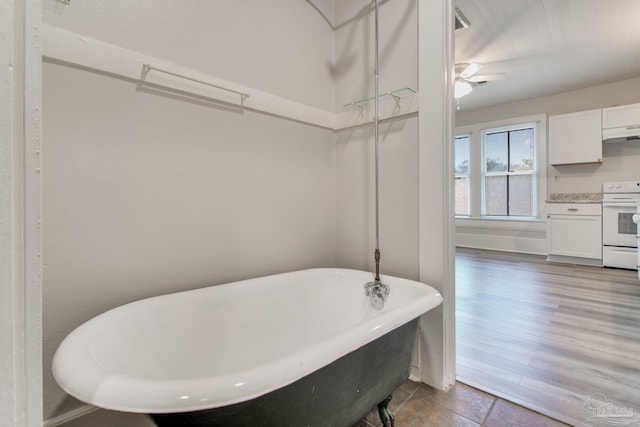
336, 395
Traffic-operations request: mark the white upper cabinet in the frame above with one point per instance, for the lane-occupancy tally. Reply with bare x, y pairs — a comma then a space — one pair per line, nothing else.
621, 123
575, 138
621, 116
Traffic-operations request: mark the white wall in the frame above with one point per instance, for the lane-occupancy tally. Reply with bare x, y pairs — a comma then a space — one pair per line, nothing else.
8, 210
355, 220
354, 48
621, 162
282, 47
148, 193
20, 214
437, 356
415, 192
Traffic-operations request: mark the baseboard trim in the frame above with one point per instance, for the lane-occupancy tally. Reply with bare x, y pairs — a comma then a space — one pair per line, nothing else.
502, 243
414, 378
69, 416
575, 260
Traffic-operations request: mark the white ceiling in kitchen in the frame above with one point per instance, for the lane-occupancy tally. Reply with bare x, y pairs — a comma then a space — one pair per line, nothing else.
547, 46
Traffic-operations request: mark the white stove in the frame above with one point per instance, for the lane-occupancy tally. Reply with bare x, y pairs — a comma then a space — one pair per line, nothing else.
620, 201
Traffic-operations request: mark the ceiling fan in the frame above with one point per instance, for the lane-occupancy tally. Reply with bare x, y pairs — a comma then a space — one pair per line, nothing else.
466, 78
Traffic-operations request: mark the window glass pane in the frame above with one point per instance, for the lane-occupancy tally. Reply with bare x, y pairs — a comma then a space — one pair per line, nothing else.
495, 146
495, 195
521, 195
461, 166
462, 195
461, 170
521, 150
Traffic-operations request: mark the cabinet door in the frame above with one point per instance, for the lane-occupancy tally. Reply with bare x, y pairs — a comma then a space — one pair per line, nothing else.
575, 138
624, 115
575, 236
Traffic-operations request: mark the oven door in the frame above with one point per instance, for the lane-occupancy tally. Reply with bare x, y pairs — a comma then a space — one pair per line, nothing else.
618, 228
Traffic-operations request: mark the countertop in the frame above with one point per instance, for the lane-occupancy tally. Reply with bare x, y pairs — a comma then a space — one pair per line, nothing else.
575, 198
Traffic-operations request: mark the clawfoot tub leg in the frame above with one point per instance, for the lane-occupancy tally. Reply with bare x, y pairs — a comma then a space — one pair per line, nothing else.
385, 415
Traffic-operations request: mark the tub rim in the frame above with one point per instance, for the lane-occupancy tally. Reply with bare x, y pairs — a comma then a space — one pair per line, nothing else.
142, 395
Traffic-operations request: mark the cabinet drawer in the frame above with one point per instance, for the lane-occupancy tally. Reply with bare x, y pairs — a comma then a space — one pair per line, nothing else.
574, 209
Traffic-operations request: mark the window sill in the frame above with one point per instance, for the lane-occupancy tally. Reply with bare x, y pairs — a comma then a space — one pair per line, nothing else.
508, 218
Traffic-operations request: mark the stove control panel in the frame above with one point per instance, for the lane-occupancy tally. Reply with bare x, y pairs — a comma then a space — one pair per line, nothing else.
621, 187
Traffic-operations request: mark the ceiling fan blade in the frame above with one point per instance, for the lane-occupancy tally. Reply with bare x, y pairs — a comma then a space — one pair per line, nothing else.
487, 77
470, 70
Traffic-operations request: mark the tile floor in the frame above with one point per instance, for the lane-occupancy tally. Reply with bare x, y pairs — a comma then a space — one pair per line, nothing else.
413, 404
419, 405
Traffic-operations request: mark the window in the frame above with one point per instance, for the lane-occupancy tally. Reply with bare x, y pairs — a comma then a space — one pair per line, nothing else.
509, 171
500, 172
461, 170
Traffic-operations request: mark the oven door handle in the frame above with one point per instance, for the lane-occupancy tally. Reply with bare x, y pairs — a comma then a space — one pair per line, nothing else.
619, 205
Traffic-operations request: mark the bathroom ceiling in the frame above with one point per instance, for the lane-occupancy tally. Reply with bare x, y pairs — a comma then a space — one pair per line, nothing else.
547, 47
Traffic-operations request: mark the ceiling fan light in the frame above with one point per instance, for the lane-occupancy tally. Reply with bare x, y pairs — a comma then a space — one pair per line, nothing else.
461, 88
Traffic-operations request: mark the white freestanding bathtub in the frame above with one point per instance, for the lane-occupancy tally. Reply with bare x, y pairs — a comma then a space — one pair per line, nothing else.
225, 345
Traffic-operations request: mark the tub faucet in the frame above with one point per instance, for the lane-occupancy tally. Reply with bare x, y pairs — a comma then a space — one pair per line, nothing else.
377, 292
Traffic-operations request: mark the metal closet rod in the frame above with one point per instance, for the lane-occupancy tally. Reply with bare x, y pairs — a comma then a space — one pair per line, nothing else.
148, 67
391, 93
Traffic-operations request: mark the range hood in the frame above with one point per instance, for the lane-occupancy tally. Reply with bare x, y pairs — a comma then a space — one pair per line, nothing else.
621, 134
621, 123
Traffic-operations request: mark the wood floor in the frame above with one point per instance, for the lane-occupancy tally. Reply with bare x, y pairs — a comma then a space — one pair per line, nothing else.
549, 336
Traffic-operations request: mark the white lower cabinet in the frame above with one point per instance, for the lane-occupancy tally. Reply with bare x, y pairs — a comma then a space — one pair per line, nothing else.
574, 233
